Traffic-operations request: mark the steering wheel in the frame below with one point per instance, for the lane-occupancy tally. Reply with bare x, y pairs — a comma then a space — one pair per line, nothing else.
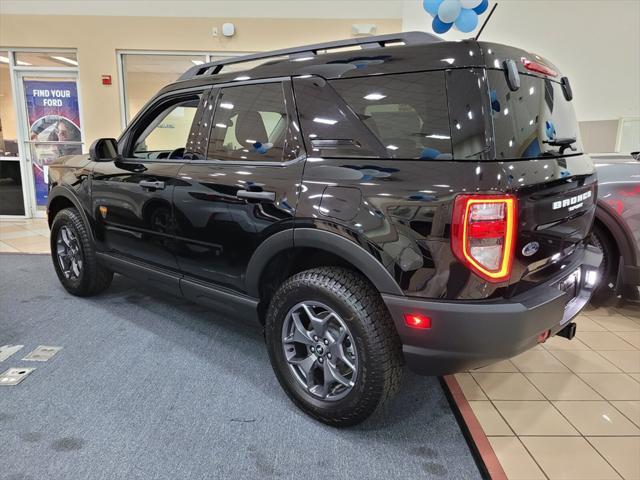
177, 154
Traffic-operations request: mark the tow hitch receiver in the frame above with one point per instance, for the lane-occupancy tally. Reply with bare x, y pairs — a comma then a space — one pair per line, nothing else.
568, 332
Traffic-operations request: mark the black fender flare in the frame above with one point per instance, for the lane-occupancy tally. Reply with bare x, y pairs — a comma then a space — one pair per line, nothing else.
619, 233
323, 240
63, 191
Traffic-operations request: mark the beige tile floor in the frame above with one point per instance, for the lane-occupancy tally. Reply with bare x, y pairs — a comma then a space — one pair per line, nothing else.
566, 409
563, 410
24, 236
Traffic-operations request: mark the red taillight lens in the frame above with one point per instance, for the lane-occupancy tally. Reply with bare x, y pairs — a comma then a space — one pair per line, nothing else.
483, 234
415, 320
538, 68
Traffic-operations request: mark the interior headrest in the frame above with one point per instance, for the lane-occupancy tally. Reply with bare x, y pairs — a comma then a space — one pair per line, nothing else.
249, 126
396, 124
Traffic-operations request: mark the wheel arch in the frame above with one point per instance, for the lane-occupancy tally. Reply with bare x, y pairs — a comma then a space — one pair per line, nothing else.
61, 197
332, 245
619, 232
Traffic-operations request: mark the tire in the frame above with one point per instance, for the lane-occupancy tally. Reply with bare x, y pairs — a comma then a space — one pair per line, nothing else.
86, 277
608, 270
370, 344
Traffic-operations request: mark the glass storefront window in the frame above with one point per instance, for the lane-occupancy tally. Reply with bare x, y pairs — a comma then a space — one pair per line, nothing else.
46, 59
11, 190
8, 127
145, 74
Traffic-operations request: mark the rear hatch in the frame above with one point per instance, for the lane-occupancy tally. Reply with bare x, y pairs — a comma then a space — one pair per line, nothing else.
537, 140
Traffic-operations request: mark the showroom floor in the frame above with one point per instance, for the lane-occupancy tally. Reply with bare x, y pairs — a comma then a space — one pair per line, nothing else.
566, 409
151, 386
26, 236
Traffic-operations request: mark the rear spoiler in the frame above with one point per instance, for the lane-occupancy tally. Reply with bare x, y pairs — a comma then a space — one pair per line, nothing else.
515, 61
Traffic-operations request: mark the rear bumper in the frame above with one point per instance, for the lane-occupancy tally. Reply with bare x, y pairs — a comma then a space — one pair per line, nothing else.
468, 334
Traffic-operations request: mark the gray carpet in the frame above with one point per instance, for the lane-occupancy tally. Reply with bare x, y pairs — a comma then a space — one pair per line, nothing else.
150, 386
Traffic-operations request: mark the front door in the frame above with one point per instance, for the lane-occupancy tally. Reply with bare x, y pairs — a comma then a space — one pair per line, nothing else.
132, 197
246, 189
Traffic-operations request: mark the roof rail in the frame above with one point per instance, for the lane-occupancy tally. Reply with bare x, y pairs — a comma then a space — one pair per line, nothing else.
408, 38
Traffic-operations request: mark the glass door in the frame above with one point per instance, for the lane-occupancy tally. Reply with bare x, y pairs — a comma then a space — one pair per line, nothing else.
51, 125
12, 194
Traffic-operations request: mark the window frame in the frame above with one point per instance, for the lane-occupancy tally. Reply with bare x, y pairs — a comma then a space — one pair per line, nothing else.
292, 114
150, 112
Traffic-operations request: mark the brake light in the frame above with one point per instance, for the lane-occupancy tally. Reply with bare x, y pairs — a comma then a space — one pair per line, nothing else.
483, 234
538, 68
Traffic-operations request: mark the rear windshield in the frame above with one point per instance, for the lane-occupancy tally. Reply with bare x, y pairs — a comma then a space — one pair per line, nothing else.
535, 121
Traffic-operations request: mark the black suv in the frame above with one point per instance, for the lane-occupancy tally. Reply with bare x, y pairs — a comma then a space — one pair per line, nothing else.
372, 203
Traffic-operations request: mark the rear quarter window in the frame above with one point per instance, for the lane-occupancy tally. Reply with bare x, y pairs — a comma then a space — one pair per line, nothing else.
400, 116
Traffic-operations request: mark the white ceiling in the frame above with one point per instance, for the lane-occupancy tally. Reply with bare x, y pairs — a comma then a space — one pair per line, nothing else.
210, 8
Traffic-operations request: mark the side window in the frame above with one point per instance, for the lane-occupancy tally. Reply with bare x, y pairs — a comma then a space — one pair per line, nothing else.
249, 124
403, 116
408, 113
167, 134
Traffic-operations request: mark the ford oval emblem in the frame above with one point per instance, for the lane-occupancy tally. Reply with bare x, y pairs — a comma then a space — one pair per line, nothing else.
530, 249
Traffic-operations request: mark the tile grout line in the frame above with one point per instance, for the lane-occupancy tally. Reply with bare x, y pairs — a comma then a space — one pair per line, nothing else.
603, 457
579, 433
509, 425
578, 430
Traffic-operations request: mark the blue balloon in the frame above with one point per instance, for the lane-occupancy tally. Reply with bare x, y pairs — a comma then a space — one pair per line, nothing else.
429, 154
439, 26
495, 103
482, 7
550, 130
467, 21
432, 6
449, 10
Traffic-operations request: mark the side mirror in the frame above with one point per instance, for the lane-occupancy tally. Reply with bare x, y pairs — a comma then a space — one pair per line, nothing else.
104, 150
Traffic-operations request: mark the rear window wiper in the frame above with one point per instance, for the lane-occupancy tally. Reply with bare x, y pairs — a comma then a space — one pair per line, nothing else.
563, 143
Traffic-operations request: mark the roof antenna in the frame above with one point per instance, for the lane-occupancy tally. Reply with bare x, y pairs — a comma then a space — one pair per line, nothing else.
486, 21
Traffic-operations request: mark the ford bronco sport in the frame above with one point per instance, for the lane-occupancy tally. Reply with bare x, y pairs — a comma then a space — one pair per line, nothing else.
372, 203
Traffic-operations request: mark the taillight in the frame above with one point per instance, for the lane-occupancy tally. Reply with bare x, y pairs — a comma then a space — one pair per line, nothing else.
483, 234
538, 67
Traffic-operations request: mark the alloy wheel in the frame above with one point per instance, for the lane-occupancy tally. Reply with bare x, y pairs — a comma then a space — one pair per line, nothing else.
69, 253
320, 350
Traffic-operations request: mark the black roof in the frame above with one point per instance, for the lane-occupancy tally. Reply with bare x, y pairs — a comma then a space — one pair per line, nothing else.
404, 52
379, 55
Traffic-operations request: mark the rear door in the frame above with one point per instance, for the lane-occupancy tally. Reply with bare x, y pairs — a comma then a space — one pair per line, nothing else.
132, 197
246, 188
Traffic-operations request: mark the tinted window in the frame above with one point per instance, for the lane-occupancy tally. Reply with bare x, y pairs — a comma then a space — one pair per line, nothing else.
407, 113
535, 121
249, 124
168, 131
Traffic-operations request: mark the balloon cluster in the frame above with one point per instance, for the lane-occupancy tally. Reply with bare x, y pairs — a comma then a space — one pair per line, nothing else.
262, 147
462, 13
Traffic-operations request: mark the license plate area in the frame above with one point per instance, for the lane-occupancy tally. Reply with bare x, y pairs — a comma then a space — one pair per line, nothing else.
570, 285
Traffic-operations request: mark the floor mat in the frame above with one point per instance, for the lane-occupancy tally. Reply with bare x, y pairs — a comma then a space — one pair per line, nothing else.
151, 386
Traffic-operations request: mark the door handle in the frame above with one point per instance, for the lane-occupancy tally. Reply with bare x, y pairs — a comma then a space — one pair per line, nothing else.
265, 196
154, 184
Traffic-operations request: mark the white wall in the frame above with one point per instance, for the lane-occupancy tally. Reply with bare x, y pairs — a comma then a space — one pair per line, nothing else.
595, 43
209, 8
